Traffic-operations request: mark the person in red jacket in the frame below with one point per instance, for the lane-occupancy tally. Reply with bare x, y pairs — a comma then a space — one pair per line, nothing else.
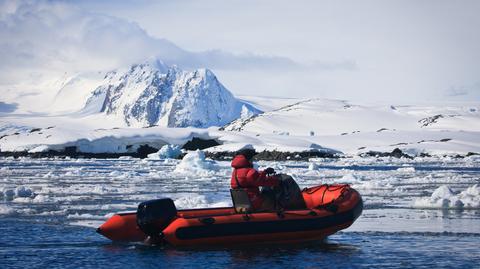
244, 176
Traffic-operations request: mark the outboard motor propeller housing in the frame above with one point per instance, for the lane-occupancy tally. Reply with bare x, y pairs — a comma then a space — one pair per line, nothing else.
155, 215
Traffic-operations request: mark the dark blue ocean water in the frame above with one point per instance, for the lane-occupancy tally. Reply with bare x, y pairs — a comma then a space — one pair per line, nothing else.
26, 244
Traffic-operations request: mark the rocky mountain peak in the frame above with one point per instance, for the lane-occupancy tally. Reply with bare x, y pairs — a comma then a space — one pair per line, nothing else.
153, 93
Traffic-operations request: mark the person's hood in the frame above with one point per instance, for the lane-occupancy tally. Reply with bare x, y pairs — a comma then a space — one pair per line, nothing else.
241, 162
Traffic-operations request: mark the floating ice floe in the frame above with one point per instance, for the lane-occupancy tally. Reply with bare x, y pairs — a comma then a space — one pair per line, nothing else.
166, 152
5, 210
76, 215
199, 201
50, 174
124, 158
399, 190
19, 192
98, 189
72, 173
115, 173
408, 169
123, 175
371, 185
444, 197
194, 163
41, 199
349, 178
312, 166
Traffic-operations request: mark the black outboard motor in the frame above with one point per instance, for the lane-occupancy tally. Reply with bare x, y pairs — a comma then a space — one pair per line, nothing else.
155, 215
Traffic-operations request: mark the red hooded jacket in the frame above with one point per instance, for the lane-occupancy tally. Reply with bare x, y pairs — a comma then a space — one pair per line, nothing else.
250, 179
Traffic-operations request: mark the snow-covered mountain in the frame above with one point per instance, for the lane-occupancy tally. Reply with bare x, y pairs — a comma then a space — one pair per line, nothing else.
357, 128
305, 117
152, 93
290, 125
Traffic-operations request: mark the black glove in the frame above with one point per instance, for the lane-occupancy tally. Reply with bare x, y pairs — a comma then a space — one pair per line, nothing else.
269, 171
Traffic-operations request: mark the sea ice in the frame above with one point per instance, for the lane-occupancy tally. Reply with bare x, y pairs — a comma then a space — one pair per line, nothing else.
107, 186
166, 152
312, 166
76, 215
406, 169
198, 201
444, 197
10, 194
194, 163
5, 210
350, 178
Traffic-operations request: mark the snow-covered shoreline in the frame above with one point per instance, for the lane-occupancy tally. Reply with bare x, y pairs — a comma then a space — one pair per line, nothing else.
308, 128
80, 141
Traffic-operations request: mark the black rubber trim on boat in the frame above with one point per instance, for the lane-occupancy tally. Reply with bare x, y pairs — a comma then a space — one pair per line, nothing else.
267, 227
207, 221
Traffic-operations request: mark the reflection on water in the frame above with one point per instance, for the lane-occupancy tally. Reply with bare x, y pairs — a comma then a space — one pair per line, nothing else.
54, 246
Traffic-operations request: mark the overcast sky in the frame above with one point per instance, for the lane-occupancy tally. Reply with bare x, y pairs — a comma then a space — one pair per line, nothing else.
388, 51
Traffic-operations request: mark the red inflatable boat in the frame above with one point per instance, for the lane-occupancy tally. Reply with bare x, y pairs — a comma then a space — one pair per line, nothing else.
328, 209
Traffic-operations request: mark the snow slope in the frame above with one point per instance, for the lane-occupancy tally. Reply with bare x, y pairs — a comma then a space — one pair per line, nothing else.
337, 117
353, 129
100, 140
290, 125
305, 125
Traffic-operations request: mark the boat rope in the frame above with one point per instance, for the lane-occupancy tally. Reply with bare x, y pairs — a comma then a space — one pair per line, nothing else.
329, 188
330, 206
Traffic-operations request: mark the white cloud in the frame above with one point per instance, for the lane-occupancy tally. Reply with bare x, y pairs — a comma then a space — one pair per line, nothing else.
395, 51
402, 50
37, 36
